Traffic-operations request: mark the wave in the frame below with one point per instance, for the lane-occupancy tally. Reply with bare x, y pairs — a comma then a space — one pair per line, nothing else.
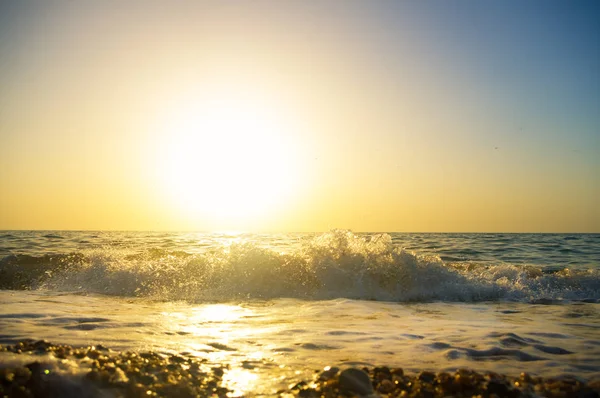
337, 264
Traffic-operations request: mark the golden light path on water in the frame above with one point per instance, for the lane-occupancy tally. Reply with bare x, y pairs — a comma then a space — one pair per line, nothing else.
252, 367
218, 321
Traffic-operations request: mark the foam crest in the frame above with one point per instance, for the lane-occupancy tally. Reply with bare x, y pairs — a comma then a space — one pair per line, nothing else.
337, 264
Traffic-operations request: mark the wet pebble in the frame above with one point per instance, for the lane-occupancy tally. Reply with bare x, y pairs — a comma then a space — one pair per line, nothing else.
118, 374
462, 383
329, 373
150, 374
355, 381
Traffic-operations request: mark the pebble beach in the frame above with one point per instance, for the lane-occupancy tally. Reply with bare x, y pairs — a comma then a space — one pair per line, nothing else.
102, 372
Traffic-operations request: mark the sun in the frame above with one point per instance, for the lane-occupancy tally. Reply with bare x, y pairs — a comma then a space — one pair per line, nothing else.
228, 159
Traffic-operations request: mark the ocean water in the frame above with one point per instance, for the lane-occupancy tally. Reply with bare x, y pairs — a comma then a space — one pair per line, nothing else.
274, 308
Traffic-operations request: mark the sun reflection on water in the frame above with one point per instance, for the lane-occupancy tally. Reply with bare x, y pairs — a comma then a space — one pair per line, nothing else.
226, 335
240, 381
219, 313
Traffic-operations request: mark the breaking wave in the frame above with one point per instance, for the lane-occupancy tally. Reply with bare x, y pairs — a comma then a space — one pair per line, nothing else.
337, 264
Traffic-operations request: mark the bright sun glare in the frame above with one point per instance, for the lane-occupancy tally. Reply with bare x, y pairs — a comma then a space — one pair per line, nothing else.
228, 157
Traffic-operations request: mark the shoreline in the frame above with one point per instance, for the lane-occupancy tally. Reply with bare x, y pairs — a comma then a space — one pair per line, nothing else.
43, 369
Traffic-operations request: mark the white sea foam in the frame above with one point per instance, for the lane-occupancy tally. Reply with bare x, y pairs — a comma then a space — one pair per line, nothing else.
338, 264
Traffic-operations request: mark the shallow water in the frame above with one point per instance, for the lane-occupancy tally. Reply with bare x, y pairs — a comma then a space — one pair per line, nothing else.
269, 344
276, 308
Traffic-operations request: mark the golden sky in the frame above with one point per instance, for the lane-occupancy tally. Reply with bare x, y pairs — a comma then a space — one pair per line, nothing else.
299, 116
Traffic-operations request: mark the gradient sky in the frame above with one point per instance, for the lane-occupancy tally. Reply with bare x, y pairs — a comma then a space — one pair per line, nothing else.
391, 116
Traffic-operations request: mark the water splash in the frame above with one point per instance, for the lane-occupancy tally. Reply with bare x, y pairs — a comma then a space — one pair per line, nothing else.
337, 264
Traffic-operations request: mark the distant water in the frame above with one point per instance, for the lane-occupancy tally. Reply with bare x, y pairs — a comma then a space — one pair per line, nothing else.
278, 306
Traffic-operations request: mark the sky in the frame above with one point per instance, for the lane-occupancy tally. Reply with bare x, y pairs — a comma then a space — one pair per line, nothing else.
436, 116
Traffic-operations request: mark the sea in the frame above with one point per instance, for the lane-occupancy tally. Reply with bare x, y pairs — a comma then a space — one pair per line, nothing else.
273, 309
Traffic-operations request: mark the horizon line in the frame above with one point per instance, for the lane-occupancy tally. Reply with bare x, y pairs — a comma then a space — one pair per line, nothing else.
299, 232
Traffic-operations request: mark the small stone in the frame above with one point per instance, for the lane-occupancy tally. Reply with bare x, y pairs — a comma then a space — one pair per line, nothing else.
398, 372
308, 393
355, 381
427, 377
21, 375
386, 386
497, 387
177, 359
41, 345
526, 377
218, 372
329, 373
147, 379
6, 375
148, 355
299, 386
119, 377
